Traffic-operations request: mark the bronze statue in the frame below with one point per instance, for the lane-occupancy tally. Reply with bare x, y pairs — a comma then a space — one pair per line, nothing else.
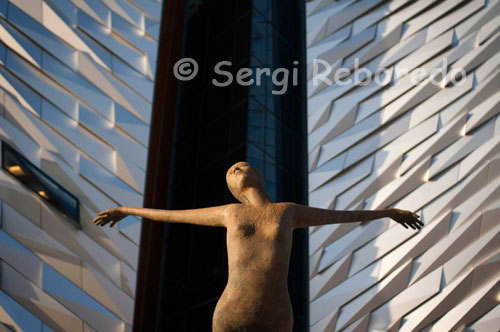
259, 240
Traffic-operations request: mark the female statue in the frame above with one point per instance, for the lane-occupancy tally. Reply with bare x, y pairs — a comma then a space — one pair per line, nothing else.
259, 240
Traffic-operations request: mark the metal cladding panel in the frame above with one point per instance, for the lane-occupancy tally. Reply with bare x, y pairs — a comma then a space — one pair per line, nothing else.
421, 138
76, 93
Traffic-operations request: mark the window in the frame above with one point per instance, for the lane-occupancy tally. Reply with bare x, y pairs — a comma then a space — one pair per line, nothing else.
35, 179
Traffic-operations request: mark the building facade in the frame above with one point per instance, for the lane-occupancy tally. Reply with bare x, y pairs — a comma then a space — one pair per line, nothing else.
76, 92
420, 138
77, 80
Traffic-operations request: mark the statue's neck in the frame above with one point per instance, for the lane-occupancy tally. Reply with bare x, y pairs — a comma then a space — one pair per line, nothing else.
255, 197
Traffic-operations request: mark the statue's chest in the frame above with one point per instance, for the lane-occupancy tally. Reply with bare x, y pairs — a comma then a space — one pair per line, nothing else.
260, 232
262, 225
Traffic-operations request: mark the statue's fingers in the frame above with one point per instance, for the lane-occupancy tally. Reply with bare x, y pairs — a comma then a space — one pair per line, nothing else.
103, 219
403, 224
416, 222
104, 222
99, 217
113, 223
103, 216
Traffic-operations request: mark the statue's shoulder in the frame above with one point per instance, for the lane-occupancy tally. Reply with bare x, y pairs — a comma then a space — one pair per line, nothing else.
284, 206
233, 210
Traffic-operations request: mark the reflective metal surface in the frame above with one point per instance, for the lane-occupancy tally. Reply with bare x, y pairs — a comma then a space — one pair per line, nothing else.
76, 89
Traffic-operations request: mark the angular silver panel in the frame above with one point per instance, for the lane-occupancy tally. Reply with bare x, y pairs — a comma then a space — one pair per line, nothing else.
76, 91
432, 147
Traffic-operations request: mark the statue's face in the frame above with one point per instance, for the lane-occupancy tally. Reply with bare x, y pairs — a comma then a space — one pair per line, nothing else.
242, 175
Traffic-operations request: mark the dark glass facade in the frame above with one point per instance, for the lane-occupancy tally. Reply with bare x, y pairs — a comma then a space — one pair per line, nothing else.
211, 130
277, 123
218, 126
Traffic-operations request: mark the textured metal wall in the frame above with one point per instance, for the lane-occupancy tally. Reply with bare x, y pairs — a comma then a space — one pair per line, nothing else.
430, 148
76, 88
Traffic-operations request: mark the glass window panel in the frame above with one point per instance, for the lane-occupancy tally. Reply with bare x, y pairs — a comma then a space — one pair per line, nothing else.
22, 169
271, 190
256, 123
262, 6
259, 36
255, 157
270, 169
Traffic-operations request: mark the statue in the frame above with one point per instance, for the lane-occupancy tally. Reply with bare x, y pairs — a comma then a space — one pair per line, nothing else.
259, 240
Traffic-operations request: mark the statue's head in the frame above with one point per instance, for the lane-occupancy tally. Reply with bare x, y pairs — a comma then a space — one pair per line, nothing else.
241, 176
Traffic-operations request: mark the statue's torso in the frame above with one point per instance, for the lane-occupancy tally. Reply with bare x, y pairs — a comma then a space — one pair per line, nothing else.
256, 296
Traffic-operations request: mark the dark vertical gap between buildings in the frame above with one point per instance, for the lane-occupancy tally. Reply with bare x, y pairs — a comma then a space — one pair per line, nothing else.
158, 165
212, 128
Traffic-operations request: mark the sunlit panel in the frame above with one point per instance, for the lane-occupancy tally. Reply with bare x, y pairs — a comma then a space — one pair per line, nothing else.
415, 142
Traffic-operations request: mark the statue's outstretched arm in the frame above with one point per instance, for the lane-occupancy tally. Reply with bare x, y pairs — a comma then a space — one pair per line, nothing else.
211, 216
305, 216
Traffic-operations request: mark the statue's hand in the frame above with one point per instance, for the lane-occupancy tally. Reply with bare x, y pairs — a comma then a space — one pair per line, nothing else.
111, 215
406, 218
